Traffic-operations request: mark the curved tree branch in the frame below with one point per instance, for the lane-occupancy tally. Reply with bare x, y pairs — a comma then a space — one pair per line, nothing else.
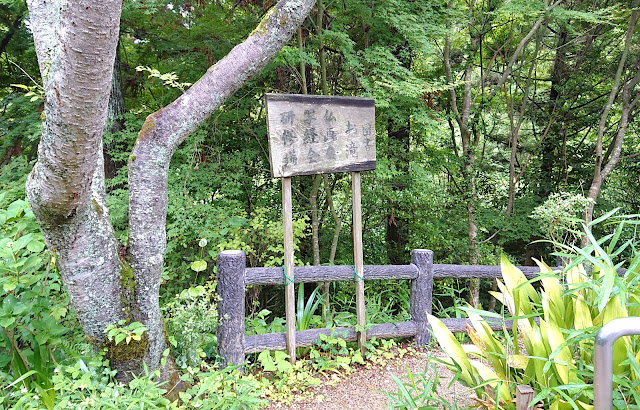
162, 133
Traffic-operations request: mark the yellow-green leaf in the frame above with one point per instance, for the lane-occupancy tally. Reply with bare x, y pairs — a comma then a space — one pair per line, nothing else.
563, 360
452, 348
487, 374
582, 318
518, 361
199, 266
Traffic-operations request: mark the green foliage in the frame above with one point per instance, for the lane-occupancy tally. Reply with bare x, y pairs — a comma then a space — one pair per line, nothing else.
191, 320
418, 391
12, 180
257, 325
89, 383
168, 79
33, 308
276, 361
223, 389
558, 351
20, 121
305, 312
125, 332
560, 217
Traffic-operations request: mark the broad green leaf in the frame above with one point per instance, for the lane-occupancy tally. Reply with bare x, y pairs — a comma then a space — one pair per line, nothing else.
563, 359
10, 284
35, 245
514, 279
487, 374
7, 321
282, 362
539, 351
518, 361
267, 361
472, 350
199, 266
452, 348
484, 339
582, 318
119, 338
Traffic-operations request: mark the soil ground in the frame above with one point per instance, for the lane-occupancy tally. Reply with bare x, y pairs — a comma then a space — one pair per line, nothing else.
364, 388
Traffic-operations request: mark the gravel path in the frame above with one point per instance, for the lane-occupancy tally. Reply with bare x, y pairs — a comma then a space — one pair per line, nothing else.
363, 388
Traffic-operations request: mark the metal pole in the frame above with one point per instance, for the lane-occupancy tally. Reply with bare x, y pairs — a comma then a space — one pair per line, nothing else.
603, 358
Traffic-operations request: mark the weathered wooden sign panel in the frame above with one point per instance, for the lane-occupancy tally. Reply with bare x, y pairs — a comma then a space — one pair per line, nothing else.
312, 134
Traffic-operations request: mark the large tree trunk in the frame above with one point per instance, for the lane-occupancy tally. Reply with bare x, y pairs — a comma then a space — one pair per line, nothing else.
76, 45
76, 50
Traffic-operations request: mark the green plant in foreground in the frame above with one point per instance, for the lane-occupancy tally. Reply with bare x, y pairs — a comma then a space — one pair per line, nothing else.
305, 312
191, 320
556, 327
418, 391
32, 307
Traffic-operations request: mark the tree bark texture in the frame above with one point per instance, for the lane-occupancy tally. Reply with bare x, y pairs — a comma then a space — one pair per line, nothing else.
231, 288
603, 167
421, 301
76, 45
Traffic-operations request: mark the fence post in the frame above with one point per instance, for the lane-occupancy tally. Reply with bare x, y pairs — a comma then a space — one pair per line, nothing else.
422, 294
231, 266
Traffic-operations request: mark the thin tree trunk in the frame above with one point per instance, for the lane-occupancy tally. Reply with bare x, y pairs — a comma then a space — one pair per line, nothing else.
12, 30
601, 171
515, 133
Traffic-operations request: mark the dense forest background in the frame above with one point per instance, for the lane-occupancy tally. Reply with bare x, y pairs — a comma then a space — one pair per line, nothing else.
498, 123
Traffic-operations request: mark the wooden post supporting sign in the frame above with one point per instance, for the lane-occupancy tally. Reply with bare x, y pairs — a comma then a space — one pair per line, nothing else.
289, 300
311, 134
358, 263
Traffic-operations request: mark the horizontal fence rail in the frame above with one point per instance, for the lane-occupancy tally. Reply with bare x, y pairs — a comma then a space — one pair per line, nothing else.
307, 274
306, 338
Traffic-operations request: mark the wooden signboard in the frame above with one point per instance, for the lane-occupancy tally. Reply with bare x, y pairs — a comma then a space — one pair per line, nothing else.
313, 134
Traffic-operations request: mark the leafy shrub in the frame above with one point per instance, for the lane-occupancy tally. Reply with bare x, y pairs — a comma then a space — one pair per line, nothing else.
13, 177
223, 389
556, 327
32, 306
191, 320
560, 217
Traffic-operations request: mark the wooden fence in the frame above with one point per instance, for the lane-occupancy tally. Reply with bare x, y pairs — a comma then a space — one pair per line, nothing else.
234, 276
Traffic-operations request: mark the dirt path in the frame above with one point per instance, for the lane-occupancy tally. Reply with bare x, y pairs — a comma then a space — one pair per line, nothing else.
364, 387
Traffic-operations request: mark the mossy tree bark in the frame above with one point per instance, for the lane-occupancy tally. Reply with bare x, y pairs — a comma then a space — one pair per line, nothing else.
76, 47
